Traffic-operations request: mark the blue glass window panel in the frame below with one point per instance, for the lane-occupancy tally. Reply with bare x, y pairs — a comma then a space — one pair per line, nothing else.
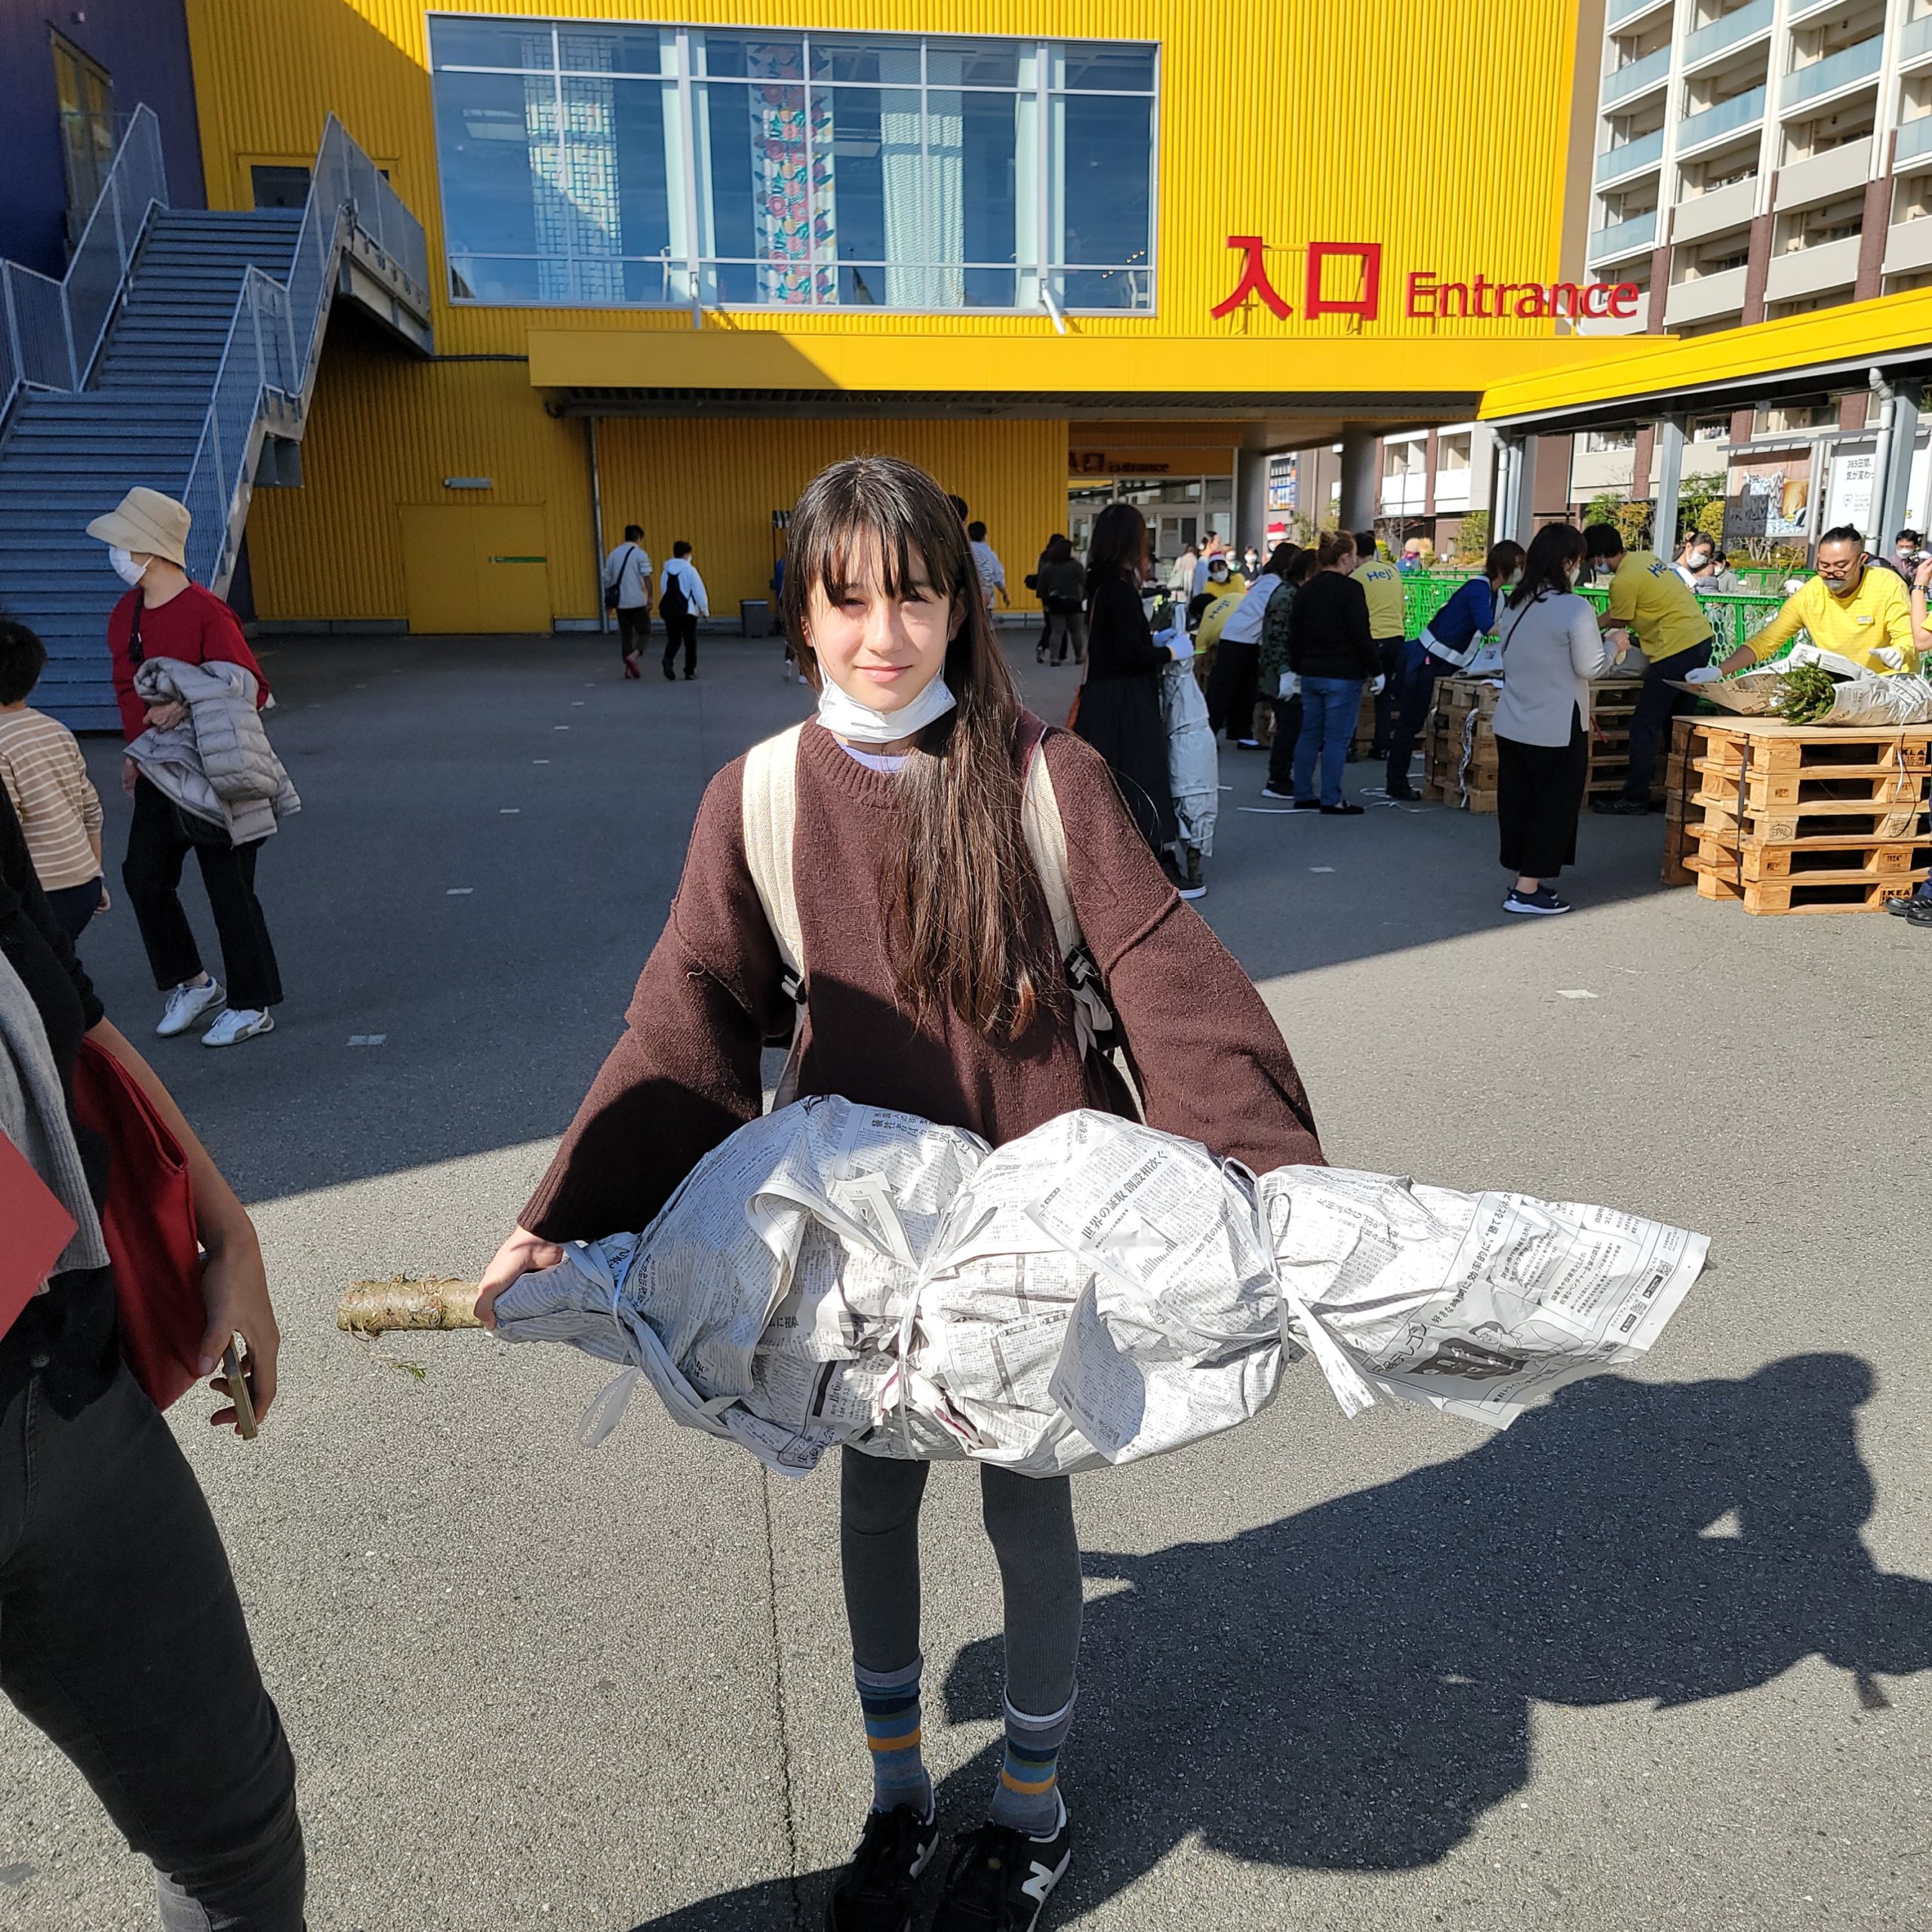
1107, 145
991, 164
609, 50
483, 146
990, 288
861, 60
1088, 68
857, 172
500, 278
973, 63
524, 44
748, 56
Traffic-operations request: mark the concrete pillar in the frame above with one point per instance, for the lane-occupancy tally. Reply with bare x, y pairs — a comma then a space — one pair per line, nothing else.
1891, 491
1358, 478
1670, 479
1251, 500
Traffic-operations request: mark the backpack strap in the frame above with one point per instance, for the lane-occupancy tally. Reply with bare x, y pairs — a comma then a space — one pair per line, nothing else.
1046, 839
769, 811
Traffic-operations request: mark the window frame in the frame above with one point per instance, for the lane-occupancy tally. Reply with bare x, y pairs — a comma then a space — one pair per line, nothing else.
679, 73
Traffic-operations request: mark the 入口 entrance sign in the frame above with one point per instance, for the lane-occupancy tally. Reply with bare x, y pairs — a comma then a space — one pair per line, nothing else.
1427, 295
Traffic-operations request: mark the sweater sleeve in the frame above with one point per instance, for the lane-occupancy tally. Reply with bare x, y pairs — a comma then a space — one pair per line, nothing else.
120, 627
222, 643
1207, 1058
685, 1074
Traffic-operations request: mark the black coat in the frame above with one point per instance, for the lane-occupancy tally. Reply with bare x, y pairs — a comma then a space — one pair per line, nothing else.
1328, 629
1120, 706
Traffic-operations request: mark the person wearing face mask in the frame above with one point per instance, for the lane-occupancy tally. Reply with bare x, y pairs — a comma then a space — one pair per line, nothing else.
932, 981
1862, 613
1552, 647
165, 614
1650, 599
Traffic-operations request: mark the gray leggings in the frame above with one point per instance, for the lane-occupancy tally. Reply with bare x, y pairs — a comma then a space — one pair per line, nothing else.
1030, 1522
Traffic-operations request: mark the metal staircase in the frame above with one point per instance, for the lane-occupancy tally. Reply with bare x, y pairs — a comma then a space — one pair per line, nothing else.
180, 351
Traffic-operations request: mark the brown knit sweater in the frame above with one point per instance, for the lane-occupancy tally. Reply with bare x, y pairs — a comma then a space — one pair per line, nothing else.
1207, 1057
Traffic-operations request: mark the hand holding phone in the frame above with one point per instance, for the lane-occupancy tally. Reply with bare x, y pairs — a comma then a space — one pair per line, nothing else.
236, 1379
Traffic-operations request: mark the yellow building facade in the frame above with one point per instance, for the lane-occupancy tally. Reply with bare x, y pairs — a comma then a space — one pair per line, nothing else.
681, 260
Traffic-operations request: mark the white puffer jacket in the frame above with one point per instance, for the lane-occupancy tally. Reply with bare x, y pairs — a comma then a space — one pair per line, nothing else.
218, 765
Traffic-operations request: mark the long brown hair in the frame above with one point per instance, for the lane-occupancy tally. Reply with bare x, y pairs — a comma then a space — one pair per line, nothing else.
962, 884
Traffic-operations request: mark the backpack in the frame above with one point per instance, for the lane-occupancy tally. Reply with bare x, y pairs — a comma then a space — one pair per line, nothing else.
674, 603
770, 810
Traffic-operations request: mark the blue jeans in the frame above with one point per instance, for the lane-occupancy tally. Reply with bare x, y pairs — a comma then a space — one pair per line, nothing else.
1329, 709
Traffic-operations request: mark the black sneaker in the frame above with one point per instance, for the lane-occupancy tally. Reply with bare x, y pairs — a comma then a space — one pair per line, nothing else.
1620, 808
874, 1892
1403, 797
1308, 805
1345, 809
1542, 901
1192, 885
1282, 797
1000, 1878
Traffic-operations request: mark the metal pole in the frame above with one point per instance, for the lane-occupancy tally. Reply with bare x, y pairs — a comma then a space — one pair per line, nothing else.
1894, 483
13, 323
597, 523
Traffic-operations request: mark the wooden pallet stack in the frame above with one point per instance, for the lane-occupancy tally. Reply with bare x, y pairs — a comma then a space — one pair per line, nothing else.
1459, 741
1797, 818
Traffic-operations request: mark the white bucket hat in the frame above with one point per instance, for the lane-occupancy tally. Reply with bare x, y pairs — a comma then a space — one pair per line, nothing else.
147, 522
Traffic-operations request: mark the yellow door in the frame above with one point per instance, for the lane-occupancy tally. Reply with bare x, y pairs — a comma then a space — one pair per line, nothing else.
476, 568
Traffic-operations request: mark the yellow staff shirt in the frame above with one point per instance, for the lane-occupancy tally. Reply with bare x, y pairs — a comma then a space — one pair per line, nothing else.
1876, 615
1381, 585
1660, 608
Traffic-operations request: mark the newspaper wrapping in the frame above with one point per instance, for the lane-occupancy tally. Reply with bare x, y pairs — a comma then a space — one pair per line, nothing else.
1093, 1293
1194, 771
1863, 697
1896, 697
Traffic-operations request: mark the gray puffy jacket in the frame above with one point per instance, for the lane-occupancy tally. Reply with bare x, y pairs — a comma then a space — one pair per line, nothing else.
218, 765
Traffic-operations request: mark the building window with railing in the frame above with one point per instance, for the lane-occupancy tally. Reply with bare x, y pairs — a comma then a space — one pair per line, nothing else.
587, 164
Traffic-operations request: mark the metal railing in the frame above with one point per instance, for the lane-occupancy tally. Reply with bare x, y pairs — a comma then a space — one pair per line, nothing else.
1727, 31
1858, 62
1646, 151
53, 329
1622, 237
1914, 139
1724, 117
1634, 76
267, 364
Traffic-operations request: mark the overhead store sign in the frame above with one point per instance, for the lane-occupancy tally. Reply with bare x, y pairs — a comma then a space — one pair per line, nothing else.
1345, 278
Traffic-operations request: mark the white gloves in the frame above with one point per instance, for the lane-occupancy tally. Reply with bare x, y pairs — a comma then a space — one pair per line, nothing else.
1705, 673
1376, 689
1289, 687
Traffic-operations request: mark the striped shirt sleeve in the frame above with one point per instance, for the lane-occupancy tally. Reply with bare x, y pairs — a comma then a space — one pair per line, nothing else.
55, 800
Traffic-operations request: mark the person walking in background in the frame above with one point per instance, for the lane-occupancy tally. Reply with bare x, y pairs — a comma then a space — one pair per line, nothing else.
1234, 683
1120, 698
681, 602
164, 614
1648, 598
1381, 585
1250, 562
627, 592
1448, 641
1330, 650
1552, 647
46, 780
1277, 684
125, 1643
1062, 588
992, 571
1180, 578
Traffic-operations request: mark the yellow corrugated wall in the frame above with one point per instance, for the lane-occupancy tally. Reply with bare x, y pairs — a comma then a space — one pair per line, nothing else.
386, 430
1438, 127
716, 481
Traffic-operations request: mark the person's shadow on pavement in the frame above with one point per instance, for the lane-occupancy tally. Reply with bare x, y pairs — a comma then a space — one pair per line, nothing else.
1349, 1688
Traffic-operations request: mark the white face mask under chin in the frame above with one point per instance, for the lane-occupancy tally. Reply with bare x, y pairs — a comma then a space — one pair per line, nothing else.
125, 568
845, 717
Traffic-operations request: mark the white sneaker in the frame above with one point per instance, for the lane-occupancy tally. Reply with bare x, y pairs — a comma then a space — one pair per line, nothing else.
185, 1004
234, 1024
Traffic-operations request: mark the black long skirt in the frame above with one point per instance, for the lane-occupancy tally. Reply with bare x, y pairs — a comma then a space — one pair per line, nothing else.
1120, 718
1539, 794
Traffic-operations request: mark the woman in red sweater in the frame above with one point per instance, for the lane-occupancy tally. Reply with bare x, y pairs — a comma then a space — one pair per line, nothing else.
932, 985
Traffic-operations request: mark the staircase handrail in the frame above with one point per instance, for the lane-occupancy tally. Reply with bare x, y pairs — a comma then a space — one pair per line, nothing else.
267, 372
54, 329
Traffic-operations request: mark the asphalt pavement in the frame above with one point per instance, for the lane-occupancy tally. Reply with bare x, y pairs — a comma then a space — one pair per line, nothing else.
1656, 1657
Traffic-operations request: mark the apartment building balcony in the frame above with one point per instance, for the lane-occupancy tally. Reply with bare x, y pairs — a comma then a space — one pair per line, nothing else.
1452, 490
1709, 295
1849, 67
1741, 25
1638, 77
1915, 139
1618, 239
1908, 246
1837, 171
1631, 158
1631, 324
1801, 272
1622, 12
1701, 215
1916, 42
1804, 9
1698, 130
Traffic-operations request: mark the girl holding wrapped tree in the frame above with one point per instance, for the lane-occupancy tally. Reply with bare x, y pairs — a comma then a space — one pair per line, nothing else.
931, 983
